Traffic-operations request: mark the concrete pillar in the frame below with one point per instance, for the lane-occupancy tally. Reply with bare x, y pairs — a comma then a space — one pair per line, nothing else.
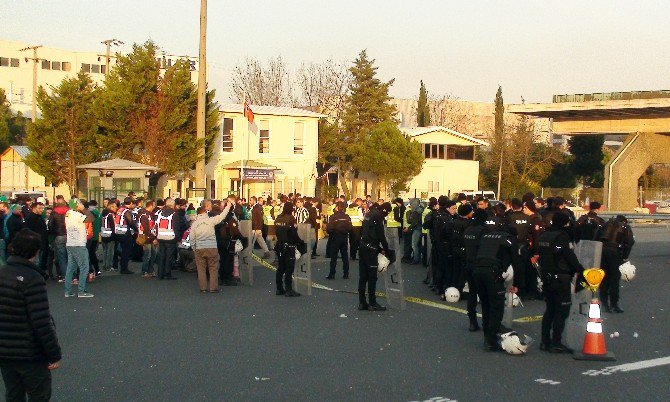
624, 169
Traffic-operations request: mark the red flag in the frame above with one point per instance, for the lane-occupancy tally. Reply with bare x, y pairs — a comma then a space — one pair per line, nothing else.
248, 113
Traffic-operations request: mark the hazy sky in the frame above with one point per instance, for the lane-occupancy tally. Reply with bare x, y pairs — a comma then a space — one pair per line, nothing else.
465, 48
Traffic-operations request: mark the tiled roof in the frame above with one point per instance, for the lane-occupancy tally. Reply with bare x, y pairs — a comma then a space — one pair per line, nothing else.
269, 110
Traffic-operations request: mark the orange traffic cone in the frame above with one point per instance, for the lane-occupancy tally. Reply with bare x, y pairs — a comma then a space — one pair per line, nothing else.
594, 340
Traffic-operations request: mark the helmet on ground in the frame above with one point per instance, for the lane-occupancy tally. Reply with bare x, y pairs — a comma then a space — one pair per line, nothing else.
382, 262
509, 274
511, 343
515, 300
297, 254
627, 271
452, 295
238, 246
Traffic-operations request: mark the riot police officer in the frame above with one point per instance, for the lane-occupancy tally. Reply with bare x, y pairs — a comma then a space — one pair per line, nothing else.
443, 223
287, 243
497, 250
471, 237
339, 230
618, 240
373, 241
462, 221
522, 225
590, 224
559, 264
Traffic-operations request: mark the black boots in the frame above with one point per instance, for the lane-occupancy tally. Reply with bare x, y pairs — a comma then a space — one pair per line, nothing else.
474, 325
291, 293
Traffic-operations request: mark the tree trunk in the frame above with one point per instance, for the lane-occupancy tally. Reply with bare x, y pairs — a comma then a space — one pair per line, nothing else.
343, 182
374, 192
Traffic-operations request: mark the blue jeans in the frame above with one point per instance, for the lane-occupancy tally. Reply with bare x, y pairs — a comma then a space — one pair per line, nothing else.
61, 253
77, 259
148, 258
416, 245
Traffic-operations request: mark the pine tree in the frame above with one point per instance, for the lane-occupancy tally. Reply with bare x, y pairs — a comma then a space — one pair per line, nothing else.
65, 136
5, 116
587, 162
498, 146
422, 109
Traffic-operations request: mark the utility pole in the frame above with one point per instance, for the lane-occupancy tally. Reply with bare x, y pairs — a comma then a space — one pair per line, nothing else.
108, 44
35, 59
200, 180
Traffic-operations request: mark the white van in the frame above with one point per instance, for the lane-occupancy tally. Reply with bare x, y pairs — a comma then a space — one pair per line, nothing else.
472, 195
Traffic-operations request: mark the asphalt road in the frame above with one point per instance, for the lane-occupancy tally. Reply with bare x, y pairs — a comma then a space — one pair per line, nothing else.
149, 340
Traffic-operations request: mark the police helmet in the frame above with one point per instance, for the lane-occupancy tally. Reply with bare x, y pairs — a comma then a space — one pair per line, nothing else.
511, 343
627, 271
452, 295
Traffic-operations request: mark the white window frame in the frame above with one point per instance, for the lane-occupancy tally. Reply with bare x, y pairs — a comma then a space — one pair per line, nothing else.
232, 135
304, 128
269, 152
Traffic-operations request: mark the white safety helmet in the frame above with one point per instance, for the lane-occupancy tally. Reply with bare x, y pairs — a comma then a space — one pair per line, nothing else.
516, 301
511, 343
452, 295
627, 271
382, 262
238, 246
297, 254
509, 274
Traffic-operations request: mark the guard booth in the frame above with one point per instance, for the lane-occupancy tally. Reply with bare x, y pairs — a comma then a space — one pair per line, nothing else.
114, 178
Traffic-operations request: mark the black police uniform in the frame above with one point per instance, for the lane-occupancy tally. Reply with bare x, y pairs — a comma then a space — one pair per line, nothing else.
471, 239
497, 249
442, 237
618, 240
521, 223
373, 241
588, 226
428, 225
287, 243
456, 277
559, 264
339, 228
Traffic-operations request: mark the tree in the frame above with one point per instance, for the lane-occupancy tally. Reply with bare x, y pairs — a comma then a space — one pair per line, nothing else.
152, 119
259, 84
65, 135
447, 111
367, 106
5, 116
499, 133
587, 162
393, 157
422, 108
324, 86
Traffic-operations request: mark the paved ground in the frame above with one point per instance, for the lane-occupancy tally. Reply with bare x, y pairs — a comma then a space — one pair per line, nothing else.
148, 340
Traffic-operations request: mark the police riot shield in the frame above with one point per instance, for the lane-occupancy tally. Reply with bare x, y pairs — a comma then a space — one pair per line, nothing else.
589, 254
302, 274
508, 314
246, 263
395, 287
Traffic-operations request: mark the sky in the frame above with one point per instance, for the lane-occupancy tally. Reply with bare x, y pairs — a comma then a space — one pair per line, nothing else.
532, 48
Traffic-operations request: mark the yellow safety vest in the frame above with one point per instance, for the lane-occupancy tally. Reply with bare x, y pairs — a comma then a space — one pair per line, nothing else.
354, 214
405, 223
267, 215
425, 213
277, 209
390, 221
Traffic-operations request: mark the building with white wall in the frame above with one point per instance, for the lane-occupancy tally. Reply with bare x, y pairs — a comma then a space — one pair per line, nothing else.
15, 175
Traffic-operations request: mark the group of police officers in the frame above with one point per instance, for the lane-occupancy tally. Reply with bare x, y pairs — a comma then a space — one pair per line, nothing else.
471, 246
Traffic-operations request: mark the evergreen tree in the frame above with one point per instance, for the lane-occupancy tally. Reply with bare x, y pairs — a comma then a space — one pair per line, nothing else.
5, 116
65, 135
422, 109
587, 162
498, 146
152, 119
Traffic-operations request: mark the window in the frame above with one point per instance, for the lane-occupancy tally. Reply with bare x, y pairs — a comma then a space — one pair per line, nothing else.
264, 137
103, 69
227, 140
4, 62
433, 186
85, 68
14, 63
66, 66
441, 151
95, 68
298, 138
460, 152
55, 65
125, 185
46, 65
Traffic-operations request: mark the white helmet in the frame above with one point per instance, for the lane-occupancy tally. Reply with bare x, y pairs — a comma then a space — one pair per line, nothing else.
515, 300
509, 274
238, 246
466, 288
297, 254
382, 262
452, 295
627, 271
513, 345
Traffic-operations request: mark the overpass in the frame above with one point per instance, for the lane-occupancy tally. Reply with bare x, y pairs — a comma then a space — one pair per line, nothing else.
644, 116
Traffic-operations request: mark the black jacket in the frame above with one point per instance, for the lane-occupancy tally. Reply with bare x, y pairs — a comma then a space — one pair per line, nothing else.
14, 224
339, 224
372, 231
556, 256
27, 331
38, 225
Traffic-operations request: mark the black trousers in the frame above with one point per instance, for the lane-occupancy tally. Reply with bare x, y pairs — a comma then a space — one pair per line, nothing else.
472, 293
92, 246
367, 275
456, 271
442, 266
338, 245
226, 262
21, 378
127, 244
316, 240
285, 268
609, 289
491, 290
167, 258
520, 275
407, 245
424, 249
355, 240
557, 298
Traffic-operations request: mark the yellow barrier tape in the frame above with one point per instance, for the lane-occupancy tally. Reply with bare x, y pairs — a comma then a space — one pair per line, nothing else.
410, 299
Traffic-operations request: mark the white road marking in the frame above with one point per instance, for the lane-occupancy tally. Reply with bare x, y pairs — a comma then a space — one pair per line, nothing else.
550, 382
661, 361
438, 399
